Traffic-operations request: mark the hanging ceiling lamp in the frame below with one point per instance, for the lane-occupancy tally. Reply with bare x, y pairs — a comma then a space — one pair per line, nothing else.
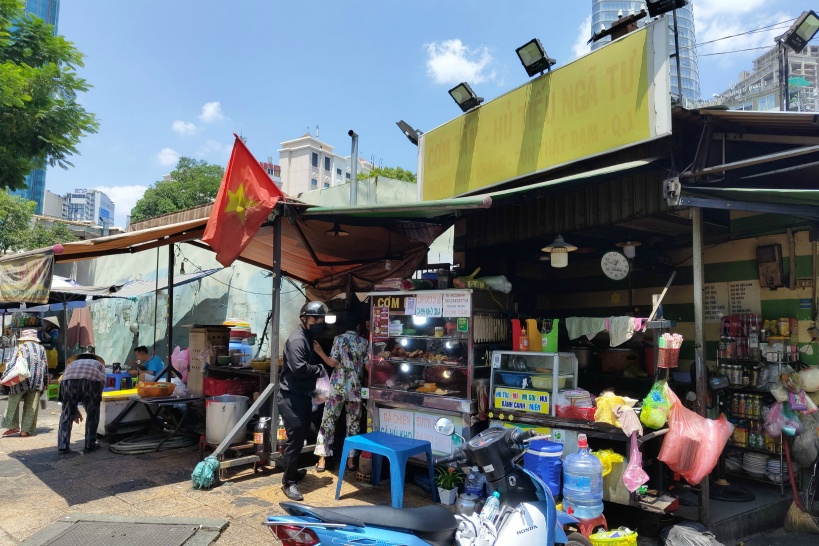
629, 248
559, 251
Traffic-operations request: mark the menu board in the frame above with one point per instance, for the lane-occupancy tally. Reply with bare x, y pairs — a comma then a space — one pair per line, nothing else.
396, 422
715, 301
456, 304
745, 297
380, 321
429, 305
425, 430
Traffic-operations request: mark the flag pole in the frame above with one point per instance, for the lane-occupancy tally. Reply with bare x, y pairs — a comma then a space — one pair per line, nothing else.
274, 322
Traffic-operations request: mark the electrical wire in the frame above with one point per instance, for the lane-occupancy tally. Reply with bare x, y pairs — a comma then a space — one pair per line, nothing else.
766, 28
733, 51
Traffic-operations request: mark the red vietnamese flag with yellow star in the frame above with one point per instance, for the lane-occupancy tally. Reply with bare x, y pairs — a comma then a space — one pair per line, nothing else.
246, 197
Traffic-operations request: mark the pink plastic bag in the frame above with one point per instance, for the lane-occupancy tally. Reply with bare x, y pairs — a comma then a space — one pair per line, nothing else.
181, 362
323, 389
634, 476
774, 420
693, 443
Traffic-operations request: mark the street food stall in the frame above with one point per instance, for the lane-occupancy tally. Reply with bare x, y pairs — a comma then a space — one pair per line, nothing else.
428, 359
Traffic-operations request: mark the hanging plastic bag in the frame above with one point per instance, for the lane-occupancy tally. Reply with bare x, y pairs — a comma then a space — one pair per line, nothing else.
693, 443
605, 408
774, 421
634, 476
656, 406
180, 360
322, 391
608, 458
469, 281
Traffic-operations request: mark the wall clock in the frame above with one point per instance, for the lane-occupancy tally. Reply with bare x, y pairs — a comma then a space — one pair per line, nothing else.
615, 265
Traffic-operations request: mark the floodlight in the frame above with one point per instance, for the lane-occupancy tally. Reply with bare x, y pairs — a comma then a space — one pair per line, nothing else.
412, 134
801, 31
534, 58
658, 7
465, 97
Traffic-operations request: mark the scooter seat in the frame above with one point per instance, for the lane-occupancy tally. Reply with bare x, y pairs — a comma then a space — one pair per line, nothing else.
433, 524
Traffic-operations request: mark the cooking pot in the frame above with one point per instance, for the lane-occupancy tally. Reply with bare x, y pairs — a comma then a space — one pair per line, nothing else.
585, 357
615, 360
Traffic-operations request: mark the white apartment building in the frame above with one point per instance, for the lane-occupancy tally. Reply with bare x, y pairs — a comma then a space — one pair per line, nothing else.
54, 205
90, 206
309, 164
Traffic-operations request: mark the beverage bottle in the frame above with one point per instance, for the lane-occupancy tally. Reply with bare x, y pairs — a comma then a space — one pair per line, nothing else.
473, 484
583, 481
524, 340
491, 508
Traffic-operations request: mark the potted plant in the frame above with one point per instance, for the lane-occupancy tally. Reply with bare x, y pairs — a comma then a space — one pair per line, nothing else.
447, 480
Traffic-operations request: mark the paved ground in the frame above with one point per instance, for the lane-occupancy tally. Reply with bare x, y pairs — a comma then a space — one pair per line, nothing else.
38, 487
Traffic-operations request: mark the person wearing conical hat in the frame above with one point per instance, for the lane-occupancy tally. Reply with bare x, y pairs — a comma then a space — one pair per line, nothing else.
29, 390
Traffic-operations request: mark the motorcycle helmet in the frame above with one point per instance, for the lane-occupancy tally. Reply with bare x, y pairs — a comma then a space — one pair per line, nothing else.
314, 309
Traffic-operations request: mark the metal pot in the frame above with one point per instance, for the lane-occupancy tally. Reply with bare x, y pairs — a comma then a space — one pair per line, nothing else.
585, 357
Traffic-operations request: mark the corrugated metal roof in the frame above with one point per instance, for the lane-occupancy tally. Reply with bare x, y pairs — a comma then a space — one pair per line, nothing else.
786, 123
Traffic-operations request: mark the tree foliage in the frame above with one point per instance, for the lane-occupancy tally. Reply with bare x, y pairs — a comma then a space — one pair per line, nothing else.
191, 184
41, 120
15, 216
390, 172
39, 236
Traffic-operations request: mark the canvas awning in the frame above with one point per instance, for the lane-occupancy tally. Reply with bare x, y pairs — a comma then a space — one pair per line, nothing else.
138, 288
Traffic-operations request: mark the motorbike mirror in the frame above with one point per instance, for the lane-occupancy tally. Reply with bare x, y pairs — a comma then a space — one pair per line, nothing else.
444, 426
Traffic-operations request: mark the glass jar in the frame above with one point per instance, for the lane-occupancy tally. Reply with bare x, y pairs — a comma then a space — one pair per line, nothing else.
735, 403
741, 406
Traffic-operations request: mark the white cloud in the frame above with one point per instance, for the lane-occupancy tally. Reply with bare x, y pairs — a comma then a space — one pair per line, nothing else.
213, 148
580, 47
451, 62
124, 198
211, 113
183, 127
168, 156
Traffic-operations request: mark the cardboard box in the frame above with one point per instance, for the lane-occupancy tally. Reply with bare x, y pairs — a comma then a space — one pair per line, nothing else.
200, 339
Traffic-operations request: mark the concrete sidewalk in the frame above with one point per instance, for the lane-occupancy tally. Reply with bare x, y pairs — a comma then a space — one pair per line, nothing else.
38, 487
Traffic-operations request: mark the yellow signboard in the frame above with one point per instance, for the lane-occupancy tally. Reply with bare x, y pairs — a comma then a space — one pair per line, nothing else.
614, 97
521, 400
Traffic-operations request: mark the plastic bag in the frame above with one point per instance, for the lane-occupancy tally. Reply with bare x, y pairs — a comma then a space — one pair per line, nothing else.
656, 406
605, 408
634, 476
180, 360
469, 281
498, 282
323, 389
774, 420
608, 457
693, 443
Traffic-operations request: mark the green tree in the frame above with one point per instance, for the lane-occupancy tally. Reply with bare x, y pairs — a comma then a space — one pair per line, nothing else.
39, 236
192, 183
41, 120
390, 172
15, 217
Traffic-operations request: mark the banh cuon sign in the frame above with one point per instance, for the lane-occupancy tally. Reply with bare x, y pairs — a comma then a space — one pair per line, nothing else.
614, 97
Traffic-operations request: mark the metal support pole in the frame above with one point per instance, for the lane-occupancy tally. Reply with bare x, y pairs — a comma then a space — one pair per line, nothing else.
170, 308
784, 98
353, 168
274, 324
679, 70
699, 334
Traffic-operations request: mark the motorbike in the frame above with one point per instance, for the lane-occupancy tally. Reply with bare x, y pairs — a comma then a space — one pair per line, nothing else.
527, 509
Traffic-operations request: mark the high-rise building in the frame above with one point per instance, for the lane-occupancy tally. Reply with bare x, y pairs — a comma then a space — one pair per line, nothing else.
49, 11
55, 206
605, 12
89, 206
309, 164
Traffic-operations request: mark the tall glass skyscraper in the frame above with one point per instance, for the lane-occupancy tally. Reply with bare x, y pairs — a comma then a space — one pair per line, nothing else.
605, 12
49, 11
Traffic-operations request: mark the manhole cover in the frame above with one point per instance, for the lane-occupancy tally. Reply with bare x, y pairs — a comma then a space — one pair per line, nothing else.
92, 533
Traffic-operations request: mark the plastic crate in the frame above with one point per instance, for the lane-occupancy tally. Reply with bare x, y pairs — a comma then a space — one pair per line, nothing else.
217, 387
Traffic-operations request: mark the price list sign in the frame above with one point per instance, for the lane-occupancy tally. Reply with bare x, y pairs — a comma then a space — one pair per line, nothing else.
429, 305
745, 297
715, 301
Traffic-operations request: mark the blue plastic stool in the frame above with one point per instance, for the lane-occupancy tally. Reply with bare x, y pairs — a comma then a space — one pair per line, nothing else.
397, 450
117, 381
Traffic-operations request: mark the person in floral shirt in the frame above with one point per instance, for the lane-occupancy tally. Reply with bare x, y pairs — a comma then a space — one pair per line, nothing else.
347, 358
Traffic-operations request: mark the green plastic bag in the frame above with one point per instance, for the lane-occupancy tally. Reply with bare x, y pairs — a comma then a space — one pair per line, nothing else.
656, 406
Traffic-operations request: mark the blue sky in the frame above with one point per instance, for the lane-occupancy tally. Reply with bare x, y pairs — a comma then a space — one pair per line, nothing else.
179, 77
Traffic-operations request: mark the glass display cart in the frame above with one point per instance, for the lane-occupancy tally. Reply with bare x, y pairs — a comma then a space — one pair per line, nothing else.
429, 358
528, 381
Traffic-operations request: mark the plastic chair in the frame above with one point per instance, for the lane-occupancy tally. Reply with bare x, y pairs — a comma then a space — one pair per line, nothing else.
397, 450
117, 381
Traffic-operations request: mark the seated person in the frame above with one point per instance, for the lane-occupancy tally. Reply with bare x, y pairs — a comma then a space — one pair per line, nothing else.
152, 364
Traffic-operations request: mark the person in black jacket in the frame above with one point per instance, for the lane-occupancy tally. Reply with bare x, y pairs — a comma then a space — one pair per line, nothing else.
300, 370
